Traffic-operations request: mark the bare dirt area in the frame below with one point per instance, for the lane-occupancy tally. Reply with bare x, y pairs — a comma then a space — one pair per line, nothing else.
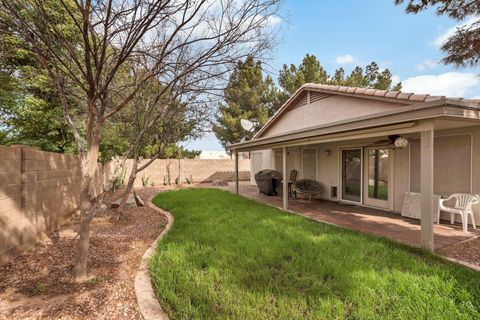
39, 283
468, 251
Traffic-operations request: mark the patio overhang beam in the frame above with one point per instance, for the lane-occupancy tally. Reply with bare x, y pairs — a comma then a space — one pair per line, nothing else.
398, 121
402, 128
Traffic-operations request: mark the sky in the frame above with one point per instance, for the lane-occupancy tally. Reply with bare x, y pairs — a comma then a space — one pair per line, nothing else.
347, 33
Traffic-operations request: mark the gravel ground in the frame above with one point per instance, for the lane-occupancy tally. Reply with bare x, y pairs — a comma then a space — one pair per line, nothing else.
38, 284
467, 251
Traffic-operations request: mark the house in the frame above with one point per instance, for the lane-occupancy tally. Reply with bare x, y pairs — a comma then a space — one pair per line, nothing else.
370, 147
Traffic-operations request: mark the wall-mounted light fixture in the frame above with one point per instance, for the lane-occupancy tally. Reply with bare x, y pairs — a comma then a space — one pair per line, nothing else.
328, 152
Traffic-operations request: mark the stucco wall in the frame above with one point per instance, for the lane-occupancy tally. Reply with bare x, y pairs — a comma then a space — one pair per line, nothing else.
331, 109
454, 166
260, 160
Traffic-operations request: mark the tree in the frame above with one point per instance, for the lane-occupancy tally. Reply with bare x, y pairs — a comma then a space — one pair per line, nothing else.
159, 121
339, 77
311, 71
171, 151
247, 96
462, 49
30, 108
292, 77
102, 53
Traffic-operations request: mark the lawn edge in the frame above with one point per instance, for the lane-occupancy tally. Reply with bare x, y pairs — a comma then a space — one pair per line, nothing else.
147, 302
462, 263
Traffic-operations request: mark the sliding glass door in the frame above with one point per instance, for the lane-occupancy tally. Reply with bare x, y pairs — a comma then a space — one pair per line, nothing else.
352, 175
377, 176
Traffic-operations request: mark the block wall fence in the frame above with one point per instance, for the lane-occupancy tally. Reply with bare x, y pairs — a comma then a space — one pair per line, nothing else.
198, 170
40, 190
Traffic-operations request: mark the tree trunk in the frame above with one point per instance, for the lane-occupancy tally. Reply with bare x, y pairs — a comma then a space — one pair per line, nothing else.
83, 245
89, 167
130, 183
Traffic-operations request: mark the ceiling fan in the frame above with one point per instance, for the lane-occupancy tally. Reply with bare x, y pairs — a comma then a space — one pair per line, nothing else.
393, 141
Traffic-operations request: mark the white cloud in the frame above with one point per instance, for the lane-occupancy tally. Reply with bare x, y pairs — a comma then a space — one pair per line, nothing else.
395, 79
274, 20
426, 64
345, 59
450, 84
438, 41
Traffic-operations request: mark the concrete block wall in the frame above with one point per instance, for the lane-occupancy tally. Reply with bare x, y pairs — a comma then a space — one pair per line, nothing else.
200, 170
38, 192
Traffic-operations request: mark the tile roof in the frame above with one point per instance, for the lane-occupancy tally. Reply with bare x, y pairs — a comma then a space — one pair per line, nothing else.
403, 96
406, 98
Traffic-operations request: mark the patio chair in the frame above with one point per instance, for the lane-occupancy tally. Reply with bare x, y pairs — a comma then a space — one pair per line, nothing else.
307, 188
462, 206
291, 181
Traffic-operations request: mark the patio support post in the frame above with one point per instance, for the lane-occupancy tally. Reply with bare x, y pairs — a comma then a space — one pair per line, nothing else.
237, 188
426, 188
285, 181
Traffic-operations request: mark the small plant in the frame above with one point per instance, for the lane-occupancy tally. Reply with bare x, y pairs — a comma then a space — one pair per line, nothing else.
152, 183
119, 180
177, 180
169, 181
145, 180
164, 180
93, 281
38, 289
189, 180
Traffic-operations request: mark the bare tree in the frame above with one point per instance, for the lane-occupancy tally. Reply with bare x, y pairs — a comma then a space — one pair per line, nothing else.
94, 46
161, 121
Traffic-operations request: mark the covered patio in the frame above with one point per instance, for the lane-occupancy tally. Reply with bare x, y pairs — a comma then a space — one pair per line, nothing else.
345, 138
374, 221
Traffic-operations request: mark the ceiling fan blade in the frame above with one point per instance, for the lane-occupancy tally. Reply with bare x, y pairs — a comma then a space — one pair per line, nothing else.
383, 141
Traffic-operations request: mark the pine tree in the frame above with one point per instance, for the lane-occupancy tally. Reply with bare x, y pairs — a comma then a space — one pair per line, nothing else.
247, 96
311, 71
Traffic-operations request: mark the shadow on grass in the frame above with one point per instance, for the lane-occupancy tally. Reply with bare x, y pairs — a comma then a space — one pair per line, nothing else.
229, 257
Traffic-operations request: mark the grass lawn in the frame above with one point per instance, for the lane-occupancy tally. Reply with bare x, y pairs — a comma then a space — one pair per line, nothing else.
228, 257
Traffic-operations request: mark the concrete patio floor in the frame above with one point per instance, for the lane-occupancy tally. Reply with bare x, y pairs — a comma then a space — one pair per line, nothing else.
378, 222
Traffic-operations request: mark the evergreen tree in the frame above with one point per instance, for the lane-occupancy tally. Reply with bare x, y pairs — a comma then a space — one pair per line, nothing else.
311, 71
339, 77
247, 96
462, 47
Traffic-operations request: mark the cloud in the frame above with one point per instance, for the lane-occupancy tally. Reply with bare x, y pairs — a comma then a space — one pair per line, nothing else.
426, 64
438, 41
395, 79
450, 84
348, 58
274, 20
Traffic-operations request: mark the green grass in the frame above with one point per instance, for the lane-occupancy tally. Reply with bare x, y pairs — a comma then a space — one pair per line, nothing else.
382, 192
228, 257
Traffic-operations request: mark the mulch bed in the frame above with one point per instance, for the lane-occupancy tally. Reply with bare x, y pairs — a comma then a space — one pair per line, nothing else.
39, 283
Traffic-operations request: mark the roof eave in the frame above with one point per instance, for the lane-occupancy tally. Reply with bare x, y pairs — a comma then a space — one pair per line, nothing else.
409, 113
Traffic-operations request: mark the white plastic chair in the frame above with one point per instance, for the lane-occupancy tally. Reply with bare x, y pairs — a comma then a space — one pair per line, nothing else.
463, 207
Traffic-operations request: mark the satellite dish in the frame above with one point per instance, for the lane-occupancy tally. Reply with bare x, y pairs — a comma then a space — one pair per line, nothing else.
246, 124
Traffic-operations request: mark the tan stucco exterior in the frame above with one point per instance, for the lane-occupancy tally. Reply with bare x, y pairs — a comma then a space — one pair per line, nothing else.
443, 135
330, 109
455, 152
